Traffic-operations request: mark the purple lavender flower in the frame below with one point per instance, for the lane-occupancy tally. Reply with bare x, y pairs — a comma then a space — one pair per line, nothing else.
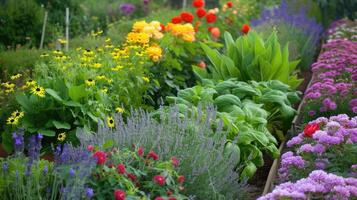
34, 146
72, 172
89, 193
5, 167
127, 8
18, 141
45, 170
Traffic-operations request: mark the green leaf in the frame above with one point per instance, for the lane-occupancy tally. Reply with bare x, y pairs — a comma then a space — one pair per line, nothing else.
47, 132
24, 101
108, 144
77, 92
54, 94
61, 125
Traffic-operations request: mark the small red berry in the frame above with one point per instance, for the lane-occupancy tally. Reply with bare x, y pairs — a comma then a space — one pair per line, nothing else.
121, 169
119, 195
159, 180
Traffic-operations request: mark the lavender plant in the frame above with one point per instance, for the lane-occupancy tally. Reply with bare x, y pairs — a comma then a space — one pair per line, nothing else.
209, 171
294, 27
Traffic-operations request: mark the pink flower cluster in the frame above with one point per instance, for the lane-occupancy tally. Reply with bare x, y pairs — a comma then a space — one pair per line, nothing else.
315, 149
318, 184
335, 79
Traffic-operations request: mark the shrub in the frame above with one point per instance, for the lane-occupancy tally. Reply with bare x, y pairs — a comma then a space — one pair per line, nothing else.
21, 23
204, 161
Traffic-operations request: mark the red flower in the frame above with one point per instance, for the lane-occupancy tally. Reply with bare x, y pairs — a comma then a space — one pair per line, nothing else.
159, 198
200, 12
245, 28
153, 155
101, 157
310, 129
132, 177
187, 17
119, 195
172, 198
229, 4
159, 180
162, 28
181, 179
215, 32
90, 147
175, 161
211, 18
140, 151
121, 169
198, 3
176, 20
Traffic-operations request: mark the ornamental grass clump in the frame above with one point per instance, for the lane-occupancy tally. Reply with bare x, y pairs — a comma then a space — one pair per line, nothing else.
325, 144
205, 162
333, 89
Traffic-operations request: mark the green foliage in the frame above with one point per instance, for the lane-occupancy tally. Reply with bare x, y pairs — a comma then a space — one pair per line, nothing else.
336, 9
19, 60
250, 111
251, 58
21, 23
16, 184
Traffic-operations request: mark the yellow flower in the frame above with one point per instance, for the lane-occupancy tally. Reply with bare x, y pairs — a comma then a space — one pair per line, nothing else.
57, 52
61, 137
139, 26
110, 122
44, 55
104, 90
154, 52
88, 52
17, 114
15, 76
183, 31
108, 46
30, 83
107, 40
62, 41
146, 79
141, 38
97, 65
101, 77
119, 110
12, 120
117, 68
9, 90
90, 82
8, 85
39, 91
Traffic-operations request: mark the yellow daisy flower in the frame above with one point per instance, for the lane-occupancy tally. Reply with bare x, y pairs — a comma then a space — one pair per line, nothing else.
90, 82
17, 114
146, 79
39, 91
110, 122
119, 110
107, 40
44, 55
97, 65
12, 120
101, 77
61, 137
104, 90
30, 83
15, 76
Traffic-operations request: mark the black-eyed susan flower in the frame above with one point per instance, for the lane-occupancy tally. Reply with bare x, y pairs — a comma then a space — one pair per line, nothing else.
90, 82
119, 109
117, 68
146, 79
44, 55
107, 40
39, 91
12, 120
8, 85
62, 41
17, 114
30, 83
61, 137
104, 90
97, 65
110, 122
101, 77
15, 76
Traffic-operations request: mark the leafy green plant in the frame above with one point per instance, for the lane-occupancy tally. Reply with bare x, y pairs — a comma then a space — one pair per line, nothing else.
251, 58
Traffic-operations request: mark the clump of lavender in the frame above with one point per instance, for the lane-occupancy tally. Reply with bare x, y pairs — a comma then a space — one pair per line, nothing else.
73, 167
190, 138
127, 8
317, 185
18, 139
332, 148
294, 27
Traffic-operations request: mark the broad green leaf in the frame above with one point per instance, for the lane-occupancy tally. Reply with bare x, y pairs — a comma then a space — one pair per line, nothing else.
48, 133
61, 125
77, 92
54, 94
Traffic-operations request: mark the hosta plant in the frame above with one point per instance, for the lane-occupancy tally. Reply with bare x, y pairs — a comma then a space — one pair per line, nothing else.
251, 58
